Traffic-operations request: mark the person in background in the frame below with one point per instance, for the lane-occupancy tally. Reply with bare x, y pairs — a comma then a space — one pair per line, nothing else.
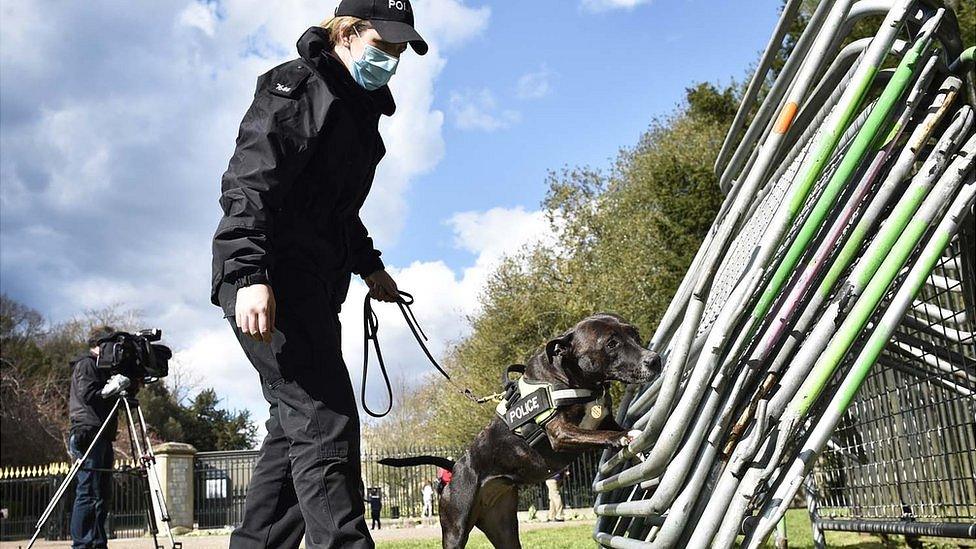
375, 507
555, 498
91, 398
428, 494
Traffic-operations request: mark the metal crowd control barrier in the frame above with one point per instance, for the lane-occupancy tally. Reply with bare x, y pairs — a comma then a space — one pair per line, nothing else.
832, 286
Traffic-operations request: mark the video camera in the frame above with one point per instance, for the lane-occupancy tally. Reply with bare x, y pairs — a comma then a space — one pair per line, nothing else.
135, 355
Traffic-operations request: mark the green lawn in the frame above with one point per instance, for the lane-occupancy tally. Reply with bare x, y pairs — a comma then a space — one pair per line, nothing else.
573, 536
549, 538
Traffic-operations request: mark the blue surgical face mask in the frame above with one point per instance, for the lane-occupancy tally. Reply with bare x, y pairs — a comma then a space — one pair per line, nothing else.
375, 68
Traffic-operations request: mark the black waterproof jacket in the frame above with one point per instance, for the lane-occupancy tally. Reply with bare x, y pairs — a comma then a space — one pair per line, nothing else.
87, 409
306, 154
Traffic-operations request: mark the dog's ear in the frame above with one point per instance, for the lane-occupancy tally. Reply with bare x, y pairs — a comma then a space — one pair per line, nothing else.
558, 346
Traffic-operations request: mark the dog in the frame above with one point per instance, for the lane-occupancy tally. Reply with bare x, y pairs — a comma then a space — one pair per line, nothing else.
484, 489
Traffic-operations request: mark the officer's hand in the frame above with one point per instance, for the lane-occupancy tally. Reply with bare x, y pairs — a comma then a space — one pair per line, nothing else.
382, 286
255, 311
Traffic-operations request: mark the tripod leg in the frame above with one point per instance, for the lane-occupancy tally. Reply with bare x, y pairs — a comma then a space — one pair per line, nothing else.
75, 467
157, 501
160, 500
153, 518
134, 443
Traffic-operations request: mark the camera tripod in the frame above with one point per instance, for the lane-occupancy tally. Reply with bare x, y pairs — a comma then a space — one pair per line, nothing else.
157, 515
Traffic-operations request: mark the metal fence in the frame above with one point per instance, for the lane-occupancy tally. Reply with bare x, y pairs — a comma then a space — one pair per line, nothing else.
220, 487
903, 459
221, 480
25, 492
401, 487
576, 488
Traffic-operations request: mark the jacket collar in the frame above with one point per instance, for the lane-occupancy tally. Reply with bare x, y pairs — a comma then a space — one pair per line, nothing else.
82, 356
316, 49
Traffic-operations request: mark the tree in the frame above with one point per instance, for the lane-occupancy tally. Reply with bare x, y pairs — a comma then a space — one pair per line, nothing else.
35, 380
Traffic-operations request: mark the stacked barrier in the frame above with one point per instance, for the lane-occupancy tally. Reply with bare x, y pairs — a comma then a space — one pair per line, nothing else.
844, 189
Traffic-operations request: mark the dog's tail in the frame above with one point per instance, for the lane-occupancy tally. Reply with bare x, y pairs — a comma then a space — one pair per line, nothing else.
441, 462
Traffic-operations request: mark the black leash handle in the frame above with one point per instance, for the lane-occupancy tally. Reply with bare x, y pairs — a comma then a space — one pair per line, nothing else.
370, 330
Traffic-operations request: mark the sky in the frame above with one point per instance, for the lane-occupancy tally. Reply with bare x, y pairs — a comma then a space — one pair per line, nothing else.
117, 120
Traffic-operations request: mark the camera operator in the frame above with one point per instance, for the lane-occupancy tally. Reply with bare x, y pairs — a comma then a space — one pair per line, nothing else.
92, 397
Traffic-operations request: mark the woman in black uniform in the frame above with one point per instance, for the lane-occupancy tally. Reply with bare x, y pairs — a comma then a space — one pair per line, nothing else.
283, 253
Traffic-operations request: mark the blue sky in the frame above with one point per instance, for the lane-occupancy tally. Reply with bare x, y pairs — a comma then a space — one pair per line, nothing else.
608, 74
117, 120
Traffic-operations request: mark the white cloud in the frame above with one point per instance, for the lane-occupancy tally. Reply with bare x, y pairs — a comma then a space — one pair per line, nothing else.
450, 21
498, 230
534, 85
201, 16
607, 5
478, 110
214, 357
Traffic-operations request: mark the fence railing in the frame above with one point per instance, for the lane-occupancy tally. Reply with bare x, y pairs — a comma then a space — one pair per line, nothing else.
220, 482
401, 487
26, 491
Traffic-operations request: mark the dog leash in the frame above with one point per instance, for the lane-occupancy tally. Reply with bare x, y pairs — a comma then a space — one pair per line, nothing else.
371, 327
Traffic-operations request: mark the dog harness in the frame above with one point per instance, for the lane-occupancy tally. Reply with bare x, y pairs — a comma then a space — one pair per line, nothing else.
528, 405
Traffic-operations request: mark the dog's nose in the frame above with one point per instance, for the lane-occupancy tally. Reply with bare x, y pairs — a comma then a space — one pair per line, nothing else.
652, 361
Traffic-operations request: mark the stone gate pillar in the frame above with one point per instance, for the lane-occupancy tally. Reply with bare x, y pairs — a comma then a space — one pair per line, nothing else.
175, 466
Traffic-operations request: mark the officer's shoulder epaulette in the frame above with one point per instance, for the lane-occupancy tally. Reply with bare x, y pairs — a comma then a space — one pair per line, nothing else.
287, 80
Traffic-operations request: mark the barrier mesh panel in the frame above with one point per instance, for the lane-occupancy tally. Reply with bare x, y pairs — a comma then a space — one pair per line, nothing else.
904, 451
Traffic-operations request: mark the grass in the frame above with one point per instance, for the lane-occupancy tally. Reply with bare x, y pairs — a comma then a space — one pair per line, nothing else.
573, 536
548, 538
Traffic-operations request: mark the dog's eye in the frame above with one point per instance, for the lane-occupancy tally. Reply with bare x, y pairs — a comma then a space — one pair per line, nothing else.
612, 343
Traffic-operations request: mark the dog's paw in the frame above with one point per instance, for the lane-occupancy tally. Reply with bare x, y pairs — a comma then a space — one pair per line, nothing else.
626, 439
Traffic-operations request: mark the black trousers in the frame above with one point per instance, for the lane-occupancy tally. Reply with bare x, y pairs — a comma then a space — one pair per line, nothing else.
308, 476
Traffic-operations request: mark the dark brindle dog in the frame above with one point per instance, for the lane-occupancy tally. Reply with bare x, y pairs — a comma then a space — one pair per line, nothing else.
484, 489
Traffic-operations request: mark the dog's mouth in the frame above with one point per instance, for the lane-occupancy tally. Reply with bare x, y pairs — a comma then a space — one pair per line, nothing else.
633, 374
639, 372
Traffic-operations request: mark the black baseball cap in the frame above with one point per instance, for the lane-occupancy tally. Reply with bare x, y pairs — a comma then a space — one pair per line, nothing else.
392, 19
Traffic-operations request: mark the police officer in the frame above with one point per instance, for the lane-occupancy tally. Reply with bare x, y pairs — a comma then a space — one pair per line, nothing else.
289, 239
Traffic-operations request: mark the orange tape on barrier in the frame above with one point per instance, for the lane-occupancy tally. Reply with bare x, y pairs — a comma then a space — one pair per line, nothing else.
786, 118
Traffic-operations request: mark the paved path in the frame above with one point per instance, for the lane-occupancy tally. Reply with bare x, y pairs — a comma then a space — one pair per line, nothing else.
221, 541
